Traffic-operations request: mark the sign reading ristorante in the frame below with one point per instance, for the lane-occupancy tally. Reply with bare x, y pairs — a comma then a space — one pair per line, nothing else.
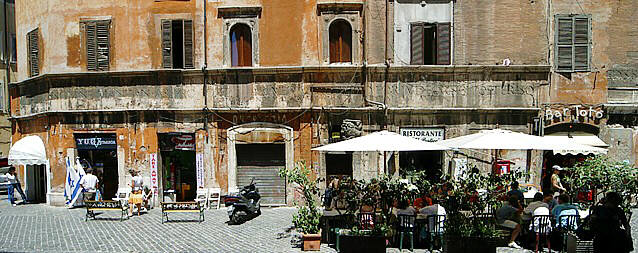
424, 134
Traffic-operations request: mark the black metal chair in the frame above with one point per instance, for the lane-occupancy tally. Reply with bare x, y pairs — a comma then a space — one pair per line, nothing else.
542, 225
407, 225
436, 228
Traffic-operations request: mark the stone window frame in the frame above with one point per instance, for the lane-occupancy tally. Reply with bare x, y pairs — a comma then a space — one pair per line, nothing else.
351, 13
232, 132
240, 15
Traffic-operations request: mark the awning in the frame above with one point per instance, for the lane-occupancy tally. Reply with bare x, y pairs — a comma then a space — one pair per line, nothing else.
28, 151
579, 138
381, 141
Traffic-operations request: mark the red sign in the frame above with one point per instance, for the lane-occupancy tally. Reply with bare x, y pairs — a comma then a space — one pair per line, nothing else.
185, 141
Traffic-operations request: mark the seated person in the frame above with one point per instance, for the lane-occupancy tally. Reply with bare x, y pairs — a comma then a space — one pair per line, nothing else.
563, 204
508, 216
405, 208
540, 199
434, 209
423, 201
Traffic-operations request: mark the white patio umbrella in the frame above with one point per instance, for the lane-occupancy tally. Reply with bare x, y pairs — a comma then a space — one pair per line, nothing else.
505, 139
381, 141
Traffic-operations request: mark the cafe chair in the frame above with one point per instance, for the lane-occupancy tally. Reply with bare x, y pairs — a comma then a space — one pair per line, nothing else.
436, 228
366, 220
214, 197
202, 197
406, 226
567, 223
338, 226
122, 194
542, 225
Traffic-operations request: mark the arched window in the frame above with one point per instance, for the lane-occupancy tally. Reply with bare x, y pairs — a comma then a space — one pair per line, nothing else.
241, 46
340, 41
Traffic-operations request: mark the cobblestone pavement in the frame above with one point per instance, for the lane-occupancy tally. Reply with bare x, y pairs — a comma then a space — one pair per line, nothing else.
39, 227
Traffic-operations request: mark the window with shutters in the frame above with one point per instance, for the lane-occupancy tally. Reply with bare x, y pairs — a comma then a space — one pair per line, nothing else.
98, 44
572, 43
430, 44
33, 49
340, 41
177, 44
241, 46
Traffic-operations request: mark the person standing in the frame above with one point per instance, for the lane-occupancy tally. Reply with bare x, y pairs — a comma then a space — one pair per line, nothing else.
89, 183
557, 187
137, 185
610, 224
14, 185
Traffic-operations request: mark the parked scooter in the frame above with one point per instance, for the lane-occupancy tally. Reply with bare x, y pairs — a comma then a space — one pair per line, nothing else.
244, 206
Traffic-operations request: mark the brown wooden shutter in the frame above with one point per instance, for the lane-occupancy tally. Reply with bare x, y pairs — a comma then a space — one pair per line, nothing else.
188, 44
34, 53
91, 45
103, 45
416, 44
334, 45
345, 50
581, 43
246, 47
167, 44
443, 46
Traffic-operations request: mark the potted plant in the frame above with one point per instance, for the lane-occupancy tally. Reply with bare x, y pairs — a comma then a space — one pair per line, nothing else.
307, 218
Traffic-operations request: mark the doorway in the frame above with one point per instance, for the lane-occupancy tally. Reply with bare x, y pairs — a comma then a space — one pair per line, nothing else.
429, 161
177, 156
36, 183
338, 165
262, 162
98, 152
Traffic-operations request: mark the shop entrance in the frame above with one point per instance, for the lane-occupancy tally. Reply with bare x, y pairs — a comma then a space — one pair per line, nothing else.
429, 161
338, 165
179, 179
36, 183
262, 162
99, 153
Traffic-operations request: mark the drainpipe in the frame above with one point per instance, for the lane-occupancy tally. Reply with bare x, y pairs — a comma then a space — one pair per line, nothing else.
204, 72
7, 60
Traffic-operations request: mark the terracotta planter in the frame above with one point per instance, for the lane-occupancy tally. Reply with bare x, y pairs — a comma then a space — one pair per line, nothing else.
311, 242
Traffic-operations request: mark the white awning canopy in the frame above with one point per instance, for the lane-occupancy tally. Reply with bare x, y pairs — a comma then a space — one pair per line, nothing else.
28, 151
579, 138
381, 141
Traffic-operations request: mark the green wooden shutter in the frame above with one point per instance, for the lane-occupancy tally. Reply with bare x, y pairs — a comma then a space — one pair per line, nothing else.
167, 44
416, 44
572, 43
34, 53
103, 45
188, 44
443, 45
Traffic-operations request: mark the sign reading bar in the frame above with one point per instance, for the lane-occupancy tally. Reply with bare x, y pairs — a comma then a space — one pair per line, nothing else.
424, 134
95, 141
574, 113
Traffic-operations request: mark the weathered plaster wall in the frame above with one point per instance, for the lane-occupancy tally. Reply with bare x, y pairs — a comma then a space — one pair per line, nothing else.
488, 31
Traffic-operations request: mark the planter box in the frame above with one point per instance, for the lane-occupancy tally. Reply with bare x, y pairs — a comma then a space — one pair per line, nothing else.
361, 243
469, 245
311, 242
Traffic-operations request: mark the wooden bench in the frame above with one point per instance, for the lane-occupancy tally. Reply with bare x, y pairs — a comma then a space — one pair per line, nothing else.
105, 205
182, 207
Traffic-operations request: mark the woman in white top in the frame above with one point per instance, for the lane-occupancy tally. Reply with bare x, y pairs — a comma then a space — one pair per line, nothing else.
137, 184
14, 184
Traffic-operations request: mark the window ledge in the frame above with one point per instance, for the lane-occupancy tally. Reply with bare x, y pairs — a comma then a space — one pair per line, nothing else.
238, 11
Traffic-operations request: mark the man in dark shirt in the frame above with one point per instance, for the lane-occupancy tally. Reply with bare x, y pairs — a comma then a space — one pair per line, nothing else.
516, 192
509, 216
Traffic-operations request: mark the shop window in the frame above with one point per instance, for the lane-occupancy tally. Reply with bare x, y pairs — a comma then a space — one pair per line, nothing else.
340, 41
430, 44
98, 44
572, 42
241, 46
33, 56
177, 44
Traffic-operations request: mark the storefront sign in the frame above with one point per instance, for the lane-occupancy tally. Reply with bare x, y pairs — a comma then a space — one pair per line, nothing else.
95, 142
153, 163
199, 162
177, 141
575, 113
424, 134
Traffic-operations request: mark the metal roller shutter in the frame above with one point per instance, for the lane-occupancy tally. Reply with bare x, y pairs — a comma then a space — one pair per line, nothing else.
271, 187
